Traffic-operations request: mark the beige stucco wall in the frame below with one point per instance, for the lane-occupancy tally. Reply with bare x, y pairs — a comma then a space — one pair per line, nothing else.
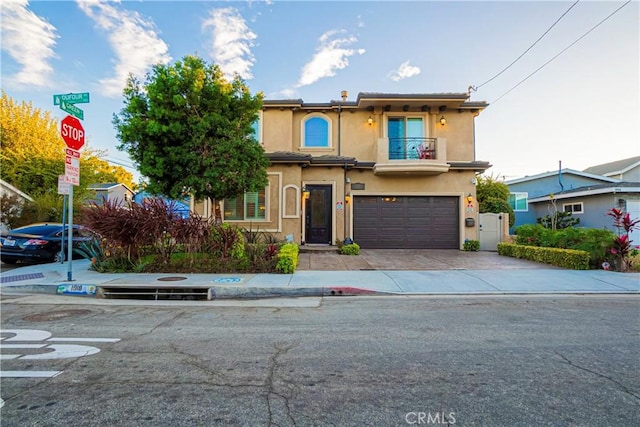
354, 137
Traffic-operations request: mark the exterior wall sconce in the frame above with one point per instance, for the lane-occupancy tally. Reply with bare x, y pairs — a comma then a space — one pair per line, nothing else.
443, 121
469, 199
347, 198
370, 121
305, 193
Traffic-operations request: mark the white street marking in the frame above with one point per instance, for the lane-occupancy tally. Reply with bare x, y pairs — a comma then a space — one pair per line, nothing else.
63, 351
25, 334
112, 340
29, 374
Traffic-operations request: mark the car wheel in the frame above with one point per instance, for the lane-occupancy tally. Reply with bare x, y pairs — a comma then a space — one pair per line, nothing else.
59, 257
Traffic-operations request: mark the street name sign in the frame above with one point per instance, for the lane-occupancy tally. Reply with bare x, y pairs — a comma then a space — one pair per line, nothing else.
72, 109
71, 98
72, 132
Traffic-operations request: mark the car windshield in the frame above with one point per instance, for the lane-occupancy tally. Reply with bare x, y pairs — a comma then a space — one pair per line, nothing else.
37, 230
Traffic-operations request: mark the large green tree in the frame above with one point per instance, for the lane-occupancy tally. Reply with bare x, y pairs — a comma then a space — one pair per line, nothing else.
33, 157
190, 131
493, 197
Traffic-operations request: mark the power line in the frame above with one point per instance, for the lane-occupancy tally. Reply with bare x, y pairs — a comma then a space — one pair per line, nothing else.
561, 52
530, 47
120, 163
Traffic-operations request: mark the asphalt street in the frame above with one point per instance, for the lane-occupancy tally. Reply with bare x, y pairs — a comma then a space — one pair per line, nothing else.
340, 361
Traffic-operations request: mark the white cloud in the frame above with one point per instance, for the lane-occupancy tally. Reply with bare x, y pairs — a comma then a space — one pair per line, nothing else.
231, 42
404, 71
134, 40
29, 40
330, 56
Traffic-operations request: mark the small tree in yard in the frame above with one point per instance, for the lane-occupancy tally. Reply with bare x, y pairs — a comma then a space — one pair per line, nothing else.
190, 131
622, 248
493, 197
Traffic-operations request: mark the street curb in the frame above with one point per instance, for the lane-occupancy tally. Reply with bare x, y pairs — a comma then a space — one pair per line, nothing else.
234, 292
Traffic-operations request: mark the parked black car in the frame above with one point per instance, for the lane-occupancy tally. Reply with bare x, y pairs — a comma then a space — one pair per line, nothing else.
36, 243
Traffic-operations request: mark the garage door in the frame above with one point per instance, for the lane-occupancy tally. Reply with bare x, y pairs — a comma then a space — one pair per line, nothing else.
406, 222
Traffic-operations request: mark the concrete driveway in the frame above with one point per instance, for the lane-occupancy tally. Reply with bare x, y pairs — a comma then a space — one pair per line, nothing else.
413, 259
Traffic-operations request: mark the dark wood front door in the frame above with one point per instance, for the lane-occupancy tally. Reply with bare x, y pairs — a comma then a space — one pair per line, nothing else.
318, 214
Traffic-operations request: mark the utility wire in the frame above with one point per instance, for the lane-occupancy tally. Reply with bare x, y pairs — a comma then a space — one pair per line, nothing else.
561, 52
530, 47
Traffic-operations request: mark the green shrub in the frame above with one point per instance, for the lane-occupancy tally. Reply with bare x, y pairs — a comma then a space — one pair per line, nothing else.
227, 241
566, 258
471, 245
350, 249
595, 241
287, 258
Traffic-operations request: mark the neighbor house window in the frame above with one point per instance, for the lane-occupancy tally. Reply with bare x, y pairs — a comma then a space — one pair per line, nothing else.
315, 132
518, 202
575, 208
250, 206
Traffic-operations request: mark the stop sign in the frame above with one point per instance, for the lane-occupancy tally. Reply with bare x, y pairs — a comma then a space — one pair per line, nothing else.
72, 132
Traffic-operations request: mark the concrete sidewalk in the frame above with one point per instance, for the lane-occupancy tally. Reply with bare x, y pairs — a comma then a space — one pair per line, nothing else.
52, 279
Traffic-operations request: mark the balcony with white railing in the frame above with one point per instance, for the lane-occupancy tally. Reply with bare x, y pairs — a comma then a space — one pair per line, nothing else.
420, 156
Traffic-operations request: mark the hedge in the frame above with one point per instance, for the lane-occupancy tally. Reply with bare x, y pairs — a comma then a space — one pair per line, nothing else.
287, 258
566, 258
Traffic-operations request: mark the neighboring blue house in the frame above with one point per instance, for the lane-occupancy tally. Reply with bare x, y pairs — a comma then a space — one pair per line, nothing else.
181, 208
587, 194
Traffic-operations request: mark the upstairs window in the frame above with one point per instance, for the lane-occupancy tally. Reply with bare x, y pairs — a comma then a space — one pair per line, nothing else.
251, 206
257, 128
518, 202
406, 136
315, 132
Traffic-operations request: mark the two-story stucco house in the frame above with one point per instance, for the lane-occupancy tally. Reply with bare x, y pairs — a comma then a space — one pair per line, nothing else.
386, 170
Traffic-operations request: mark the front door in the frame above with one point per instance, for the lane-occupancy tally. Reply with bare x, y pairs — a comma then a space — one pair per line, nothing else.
318, 214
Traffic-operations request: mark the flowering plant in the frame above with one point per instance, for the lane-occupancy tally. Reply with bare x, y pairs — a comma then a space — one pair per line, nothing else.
621, 248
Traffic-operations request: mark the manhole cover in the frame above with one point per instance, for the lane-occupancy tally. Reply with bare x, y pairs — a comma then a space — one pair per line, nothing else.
55, 315
171, 279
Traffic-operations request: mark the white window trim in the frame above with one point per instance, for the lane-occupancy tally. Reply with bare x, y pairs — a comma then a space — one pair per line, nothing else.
329, 131
407, 115
526, 197
581, 211
266, 207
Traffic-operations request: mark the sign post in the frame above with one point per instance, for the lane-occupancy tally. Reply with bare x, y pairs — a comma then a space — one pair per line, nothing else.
72, 133
63, 189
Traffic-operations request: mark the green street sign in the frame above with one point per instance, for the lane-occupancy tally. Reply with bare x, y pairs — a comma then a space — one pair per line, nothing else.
71, 98
72, 109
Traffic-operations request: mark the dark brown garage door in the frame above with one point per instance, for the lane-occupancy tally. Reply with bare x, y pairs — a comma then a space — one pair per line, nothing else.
406, 222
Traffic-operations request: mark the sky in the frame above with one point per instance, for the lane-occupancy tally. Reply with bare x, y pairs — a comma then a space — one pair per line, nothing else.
562, 78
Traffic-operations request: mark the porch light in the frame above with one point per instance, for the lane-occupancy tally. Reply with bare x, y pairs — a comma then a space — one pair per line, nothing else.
370, 121
469, 199
443, 121
305, 193
347, 198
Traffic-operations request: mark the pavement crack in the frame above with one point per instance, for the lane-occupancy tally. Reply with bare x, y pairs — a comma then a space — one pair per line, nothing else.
269, 384
598, 374
161, 324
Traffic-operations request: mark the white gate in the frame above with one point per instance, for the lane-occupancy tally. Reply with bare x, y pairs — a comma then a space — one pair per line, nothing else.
491, 230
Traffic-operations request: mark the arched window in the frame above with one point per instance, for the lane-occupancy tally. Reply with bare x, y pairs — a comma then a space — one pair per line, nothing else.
316, 132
